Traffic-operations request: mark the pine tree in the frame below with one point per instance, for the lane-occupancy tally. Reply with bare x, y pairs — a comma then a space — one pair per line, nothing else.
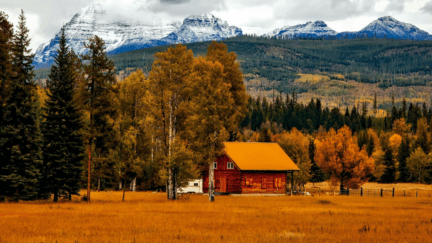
20, 138
389, 175
63, 149
6, 34
94, 93
264, 135
403, 154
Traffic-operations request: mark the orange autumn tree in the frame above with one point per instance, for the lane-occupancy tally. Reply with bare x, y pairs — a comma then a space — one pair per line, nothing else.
339, 155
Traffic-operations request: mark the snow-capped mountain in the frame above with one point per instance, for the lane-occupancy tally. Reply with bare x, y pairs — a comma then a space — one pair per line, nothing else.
125, 36
392, 28
309, 29
389, 27
203, 27
122, 36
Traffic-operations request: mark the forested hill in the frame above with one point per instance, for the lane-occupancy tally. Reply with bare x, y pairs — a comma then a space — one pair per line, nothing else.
281, 59
276, 64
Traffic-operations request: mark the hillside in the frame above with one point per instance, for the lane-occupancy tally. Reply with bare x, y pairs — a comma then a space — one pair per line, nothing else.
351, 69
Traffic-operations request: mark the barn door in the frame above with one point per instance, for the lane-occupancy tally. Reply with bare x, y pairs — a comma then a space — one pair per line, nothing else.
223, 187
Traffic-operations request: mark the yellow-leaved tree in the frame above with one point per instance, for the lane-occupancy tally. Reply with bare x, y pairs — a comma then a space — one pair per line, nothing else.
167, 85
339, 156
131, 147
296, 145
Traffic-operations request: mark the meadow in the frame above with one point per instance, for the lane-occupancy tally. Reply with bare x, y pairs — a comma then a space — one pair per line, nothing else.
150, 217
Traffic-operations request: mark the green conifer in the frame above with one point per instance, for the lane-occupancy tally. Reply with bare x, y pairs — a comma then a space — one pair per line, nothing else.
20, 138
63, 149
389, 175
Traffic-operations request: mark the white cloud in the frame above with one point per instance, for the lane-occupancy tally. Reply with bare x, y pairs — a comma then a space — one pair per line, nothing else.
45, 17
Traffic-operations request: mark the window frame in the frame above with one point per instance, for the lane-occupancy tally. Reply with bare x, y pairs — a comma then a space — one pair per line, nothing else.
228, 165
215, 165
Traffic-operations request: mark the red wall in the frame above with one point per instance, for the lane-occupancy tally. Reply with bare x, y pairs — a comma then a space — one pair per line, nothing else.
236, 180
257, 182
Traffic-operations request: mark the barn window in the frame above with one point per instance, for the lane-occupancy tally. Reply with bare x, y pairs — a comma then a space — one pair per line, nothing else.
230, 165
215, 165
195, 184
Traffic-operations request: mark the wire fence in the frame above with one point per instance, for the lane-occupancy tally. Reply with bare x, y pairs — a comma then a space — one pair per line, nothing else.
363, 192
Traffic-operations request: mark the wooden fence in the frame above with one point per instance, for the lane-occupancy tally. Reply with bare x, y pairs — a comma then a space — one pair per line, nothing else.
363, 192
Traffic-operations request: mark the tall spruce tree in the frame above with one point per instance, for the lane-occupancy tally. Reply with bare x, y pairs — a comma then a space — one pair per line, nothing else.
20, 139
99, 81
389, 175
63, 149
6, 34
403, 154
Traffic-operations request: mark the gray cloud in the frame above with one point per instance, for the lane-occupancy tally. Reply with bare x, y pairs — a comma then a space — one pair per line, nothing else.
427, 8
334, 9
174, 1
187, 7
47, 16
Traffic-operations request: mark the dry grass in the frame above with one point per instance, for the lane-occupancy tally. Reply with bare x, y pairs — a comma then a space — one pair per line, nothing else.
149, 217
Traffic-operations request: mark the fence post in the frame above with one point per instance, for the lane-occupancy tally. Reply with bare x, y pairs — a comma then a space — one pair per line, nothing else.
416, 193
404, 194
319, 192
347, 191
381, 192
393, 192
361, 191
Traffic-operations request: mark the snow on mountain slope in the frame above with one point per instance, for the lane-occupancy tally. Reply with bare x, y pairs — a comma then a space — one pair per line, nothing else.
91, 21
121, 36
204, 27
391, 28
309, 29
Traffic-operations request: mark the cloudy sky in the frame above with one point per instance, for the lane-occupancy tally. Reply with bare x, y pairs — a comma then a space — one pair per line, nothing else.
45, 17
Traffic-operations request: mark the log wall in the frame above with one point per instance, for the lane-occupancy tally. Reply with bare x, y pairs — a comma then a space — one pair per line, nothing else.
236, 181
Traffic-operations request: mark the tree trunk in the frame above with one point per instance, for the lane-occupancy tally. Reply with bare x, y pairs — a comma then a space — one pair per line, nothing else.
170, 184
98, 184
89, 172
211, 185
89, 159
341, 186
56, 196
124, 190
70, 196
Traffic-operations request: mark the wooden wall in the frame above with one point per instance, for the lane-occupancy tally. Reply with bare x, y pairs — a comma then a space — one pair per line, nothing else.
236, 181
263, 182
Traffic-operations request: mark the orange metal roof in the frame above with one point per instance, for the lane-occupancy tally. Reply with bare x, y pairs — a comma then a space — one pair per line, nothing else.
259, 156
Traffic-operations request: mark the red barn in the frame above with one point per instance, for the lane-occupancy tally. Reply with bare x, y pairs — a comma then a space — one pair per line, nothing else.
250, 168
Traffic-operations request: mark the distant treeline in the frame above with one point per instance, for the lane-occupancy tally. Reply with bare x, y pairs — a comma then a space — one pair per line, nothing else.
288, 113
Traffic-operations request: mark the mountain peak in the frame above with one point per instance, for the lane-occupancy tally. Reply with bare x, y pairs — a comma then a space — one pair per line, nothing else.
312, 29
390, 27
387, 18
126, 36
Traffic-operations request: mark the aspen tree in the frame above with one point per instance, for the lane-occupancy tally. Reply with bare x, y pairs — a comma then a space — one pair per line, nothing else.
167, 83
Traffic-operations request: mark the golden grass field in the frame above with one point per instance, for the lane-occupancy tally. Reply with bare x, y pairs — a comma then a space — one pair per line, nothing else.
150, 217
